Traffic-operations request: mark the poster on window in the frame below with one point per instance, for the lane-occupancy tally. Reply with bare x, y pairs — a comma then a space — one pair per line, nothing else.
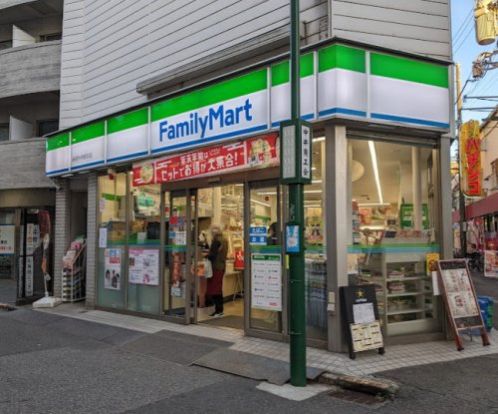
112, 269
32, 237
144, 267
7, 239
266, 281
491, 263
30, 271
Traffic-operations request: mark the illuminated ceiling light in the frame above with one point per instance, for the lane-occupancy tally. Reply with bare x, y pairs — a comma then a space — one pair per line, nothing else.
375, 166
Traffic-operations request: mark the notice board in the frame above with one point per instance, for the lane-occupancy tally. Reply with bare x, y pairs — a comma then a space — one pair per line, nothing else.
360, 319
460, 299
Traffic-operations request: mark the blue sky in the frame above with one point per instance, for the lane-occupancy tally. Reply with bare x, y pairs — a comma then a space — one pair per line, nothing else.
465, 50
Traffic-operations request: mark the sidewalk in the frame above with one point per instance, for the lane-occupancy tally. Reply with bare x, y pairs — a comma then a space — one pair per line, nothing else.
398, 356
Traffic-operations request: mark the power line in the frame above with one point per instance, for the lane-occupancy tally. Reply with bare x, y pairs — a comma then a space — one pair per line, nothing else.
464, 39
464, 23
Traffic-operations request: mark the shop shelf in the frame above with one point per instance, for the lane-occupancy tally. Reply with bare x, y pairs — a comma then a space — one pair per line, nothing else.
401, 312
394, 295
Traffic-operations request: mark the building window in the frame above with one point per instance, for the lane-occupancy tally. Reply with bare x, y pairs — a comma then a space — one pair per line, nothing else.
4, 132
47, 126
50, 37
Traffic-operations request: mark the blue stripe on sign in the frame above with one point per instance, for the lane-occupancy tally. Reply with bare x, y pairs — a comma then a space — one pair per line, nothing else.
211, 139
127, 157
411, 120
344, 111
306, 117
56, 171
89, 164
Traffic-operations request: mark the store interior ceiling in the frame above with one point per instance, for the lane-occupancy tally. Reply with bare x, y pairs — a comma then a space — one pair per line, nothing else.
390, 160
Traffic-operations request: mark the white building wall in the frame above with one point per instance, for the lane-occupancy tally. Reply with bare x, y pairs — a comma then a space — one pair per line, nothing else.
110, 46
416, 26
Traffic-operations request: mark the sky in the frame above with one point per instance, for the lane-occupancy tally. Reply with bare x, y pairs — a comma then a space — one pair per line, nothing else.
465, 50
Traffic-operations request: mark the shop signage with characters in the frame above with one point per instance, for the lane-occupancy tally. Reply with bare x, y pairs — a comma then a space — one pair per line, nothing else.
258, 152
7, 239
470, 148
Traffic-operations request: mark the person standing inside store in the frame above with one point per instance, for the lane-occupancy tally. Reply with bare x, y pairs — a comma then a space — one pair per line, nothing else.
217, 255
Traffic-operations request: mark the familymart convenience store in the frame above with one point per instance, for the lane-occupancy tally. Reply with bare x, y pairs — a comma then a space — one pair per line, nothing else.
160, 175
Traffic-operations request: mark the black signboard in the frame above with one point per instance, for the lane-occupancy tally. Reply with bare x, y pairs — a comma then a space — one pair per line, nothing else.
360, 319
460, 299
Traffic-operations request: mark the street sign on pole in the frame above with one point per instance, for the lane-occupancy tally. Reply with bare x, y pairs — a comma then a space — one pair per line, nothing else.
295, 152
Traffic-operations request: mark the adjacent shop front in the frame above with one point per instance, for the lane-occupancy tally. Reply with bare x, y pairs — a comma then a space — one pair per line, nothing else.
165, 174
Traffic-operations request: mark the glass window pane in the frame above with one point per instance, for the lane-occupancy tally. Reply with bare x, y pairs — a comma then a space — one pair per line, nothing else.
315, 253
112, 240
144, 239
394, 228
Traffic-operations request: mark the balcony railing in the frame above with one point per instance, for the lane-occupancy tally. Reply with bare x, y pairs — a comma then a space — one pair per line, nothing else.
30, 69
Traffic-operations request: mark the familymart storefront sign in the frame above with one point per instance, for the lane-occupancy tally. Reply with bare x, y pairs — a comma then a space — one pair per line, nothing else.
336, 81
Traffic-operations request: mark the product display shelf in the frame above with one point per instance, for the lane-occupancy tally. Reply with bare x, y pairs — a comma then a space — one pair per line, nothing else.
73, 277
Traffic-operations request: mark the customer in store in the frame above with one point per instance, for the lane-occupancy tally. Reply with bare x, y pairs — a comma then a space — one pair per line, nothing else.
217, 255
272, 235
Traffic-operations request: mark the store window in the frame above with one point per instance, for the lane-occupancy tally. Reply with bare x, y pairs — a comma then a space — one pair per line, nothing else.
112, 241
144, 239
393, 233
315, 242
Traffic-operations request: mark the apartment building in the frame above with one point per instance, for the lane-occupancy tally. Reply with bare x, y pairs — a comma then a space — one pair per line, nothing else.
30, 56
169, 125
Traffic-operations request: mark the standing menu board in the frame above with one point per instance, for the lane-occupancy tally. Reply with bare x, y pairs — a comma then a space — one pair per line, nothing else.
460, 299
360, 319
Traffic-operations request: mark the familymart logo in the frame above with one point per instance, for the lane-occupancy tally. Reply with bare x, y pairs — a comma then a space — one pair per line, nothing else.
217, 118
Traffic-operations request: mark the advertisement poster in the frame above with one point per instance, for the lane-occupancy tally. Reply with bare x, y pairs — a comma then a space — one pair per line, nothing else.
459, 292
112, 269
30, 270
7, 239
266, 281
258, 152
431, 260
144, 266
491, 263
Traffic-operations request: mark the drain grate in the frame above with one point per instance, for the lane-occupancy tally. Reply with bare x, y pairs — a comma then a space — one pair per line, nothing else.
358, 397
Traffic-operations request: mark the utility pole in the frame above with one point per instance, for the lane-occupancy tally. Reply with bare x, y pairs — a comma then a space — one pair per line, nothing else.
461, 197
296, 217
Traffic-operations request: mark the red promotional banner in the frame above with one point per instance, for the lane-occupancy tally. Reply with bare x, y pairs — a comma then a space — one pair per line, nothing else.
258, 152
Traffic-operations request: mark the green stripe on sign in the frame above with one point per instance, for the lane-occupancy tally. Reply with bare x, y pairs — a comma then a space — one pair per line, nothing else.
341, 57
88, 132
409, 70
223, 91
280, 72
126, 121
58, 141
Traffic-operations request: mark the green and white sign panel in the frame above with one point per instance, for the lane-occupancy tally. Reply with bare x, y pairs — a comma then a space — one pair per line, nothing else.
228, 109
337, 81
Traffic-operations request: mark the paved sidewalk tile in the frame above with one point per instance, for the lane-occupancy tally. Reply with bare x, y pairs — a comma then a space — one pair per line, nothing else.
367, 363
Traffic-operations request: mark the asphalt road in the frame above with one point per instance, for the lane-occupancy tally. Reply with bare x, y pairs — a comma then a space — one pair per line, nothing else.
52, 364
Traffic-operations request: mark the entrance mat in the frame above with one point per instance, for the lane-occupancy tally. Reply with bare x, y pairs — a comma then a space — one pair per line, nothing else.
174, 347
229, 321
252, 366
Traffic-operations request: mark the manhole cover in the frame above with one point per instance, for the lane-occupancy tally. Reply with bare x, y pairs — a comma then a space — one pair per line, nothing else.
358, 397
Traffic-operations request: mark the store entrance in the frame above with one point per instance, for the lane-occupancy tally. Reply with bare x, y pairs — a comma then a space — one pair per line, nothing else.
213, 235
